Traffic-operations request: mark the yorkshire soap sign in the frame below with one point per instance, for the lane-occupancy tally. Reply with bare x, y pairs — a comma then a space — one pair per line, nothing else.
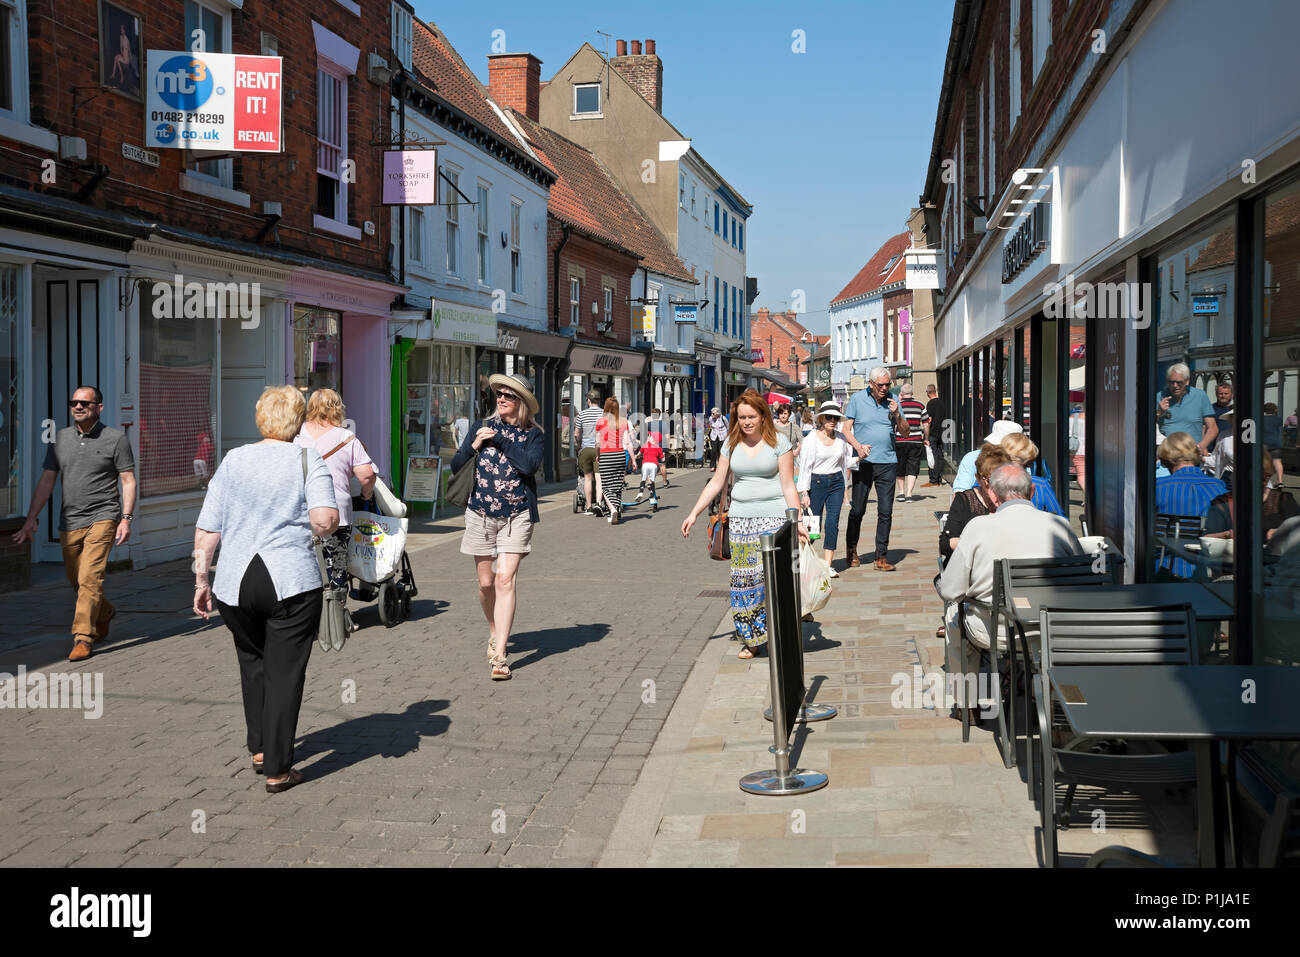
410, 177
224, 102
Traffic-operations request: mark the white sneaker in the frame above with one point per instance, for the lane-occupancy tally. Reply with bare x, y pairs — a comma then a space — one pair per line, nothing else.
834, 573
640, 495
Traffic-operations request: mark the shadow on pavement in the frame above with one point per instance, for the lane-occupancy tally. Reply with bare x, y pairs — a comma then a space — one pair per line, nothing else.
814, 640
366, 614
537, 645
372, 735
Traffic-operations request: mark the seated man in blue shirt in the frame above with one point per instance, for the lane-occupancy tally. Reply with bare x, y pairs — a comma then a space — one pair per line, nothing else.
869, 423
1181, 407
1185, 491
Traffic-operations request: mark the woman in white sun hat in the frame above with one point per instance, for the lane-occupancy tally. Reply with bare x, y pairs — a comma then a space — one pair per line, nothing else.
502, 508
824, 475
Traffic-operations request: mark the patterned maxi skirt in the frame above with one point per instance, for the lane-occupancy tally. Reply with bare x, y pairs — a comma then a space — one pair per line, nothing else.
612, 475
748, 593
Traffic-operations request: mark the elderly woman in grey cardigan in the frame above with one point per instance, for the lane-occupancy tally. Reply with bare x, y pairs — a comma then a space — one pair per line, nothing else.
263, 506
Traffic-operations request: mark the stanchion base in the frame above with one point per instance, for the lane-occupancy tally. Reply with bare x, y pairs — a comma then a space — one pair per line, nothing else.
809, 712
798, 782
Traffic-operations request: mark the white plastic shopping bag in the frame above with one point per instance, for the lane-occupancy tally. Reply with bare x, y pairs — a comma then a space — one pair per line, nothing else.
929, 455
814, 579
375, 547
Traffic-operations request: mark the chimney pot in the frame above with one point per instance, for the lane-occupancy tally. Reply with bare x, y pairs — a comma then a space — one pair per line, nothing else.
514, 82
636, 47
649, 47
620, 48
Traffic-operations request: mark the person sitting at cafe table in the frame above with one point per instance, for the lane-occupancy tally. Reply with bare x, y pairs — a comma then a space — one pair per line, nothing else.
1278, 506
1186, 492
1182, 407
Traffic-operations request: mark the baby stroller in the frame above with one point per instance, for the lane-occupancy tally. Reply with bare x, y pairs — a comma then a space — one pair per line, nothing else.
377, 559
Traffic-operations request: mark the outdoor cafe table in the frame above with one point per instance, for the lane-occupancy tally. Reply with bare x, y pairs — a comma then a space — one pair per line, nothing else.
1200, 704
1026, 603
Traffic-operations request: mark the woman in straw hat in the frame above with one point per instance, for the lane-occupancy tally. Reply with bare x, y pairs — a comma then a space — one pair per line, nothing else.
824, 474
502, 508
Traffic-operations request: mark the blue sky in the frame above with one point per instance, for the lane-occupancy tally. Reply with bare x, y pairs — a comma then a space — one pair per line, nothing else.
830, 145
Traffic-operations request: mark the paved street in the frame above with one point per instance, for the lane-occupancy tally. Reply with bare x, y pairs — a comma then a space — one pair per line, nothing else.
433, 764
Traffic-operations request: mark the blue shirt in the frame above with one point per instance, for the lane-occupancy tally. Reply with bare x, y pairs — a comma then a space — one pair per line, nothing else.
505, 479
1045, 499
965, 477
1187, 491
872, 426
1189, 415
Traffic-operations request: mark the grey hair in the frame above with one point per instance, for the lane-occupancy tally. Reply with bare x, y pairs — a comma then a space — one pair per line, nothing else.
905, 390
931, 388
1179, 368
878, 373
1011, 481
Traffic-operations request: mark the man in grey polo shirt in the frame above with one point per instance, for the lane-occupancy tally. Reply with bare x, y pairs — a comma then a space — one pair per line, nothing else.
869, 423
94, 517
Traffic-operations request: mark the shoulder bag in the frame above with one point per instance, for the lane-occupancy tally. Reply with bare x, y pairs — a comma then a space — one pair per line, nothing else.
719, 538
461, 484
332, 632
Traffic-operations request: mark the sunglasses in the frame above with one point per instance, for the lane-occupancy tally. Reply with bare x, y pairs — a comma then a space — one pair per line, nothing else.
79, 403
1178, 382
508, 396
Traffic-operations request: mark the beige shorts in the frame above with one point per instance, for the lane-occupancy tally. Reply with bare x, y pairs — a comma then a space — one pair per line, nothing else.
494, 536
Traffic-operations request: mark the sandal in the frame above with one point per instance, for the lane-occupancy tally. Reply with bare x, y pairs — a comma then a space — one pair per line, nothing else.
500, 670
747, 652
293, 780
258, 766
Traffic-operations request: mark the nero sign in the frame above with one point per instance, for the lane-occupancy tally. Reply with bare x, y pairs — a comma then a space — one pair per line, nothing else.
213, 101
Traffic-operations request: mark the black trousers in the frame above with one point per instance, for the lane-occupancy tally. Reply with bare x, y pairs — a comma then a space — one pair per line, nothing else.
936, 470
273, 640
881, 475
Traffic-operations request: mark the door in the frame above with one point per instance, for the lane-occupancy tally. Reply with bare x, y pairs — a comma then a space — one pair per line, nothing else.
70, 336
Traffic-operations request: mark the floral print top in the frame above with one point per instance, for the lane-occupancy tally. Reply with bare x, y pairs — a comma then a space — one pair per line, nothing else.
498, 486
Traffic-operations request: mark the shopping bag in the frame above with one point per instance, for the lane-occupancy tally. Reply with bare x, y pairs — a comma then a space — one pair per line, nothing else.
813, 523
929, 455
375, 547
814, 580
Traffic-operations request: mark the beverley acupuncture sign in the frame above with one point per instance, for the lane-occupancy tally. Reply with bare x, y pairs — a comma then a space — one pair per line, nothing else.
213, 101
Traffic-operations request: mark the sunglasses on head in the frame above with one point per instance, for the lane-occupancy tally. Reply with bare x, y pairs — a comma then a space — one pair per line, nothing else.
508, 396
78, 403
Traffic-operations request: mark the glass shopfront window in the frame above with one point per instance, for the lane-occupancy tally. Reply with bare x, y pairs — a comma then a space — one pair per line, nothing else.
317, 349
1193, 352
1076, 442
439, 391
178, 400
11, 392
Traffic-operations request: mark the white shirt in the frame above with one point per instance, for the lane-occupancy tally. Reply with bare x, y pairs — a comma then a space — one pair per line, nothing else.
816, 458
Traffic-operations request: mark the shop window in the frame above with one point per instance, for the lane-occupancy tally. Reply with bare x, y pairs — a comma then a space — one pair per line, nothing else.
11, 392
317, 350
452, 200
439, 399
1076, 442
1196, 278
178, 398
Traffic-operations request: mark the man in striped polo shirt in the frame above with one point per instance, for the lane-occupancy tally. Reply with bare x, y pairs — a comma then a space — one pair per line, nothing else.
584, 427
910, 447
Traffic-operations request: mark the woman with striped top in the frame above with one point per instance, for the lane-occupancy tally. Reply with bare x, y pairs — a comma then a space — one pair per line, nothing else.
611, 436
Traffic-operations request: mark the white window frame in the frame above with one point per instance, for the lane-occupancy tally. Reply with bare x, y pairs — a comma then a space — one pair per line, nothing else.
220, 172
575, 302
417, 248
1042, 36
327, 149
979, 147
993, 132
1013, 72
516, 255
402, 28
681, 190
451, 203
600, 102
692, 199
608, 302
483, 234
338, 59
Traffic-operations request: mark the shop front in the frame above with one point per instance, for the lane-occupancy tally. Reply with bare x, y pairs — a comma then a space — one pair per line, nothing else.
611, 372
672, 384
540, 357
734, 383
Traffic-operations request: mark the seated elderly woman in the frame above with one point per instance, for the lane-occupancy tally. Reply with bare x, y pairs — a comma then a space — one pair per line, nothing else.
972, 502
1022, 451
1185, 492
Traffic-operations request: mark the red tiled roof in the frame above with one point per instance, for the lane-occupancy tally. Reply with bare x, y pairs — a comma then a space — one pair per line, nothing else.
869, 279
586, 196
453, 82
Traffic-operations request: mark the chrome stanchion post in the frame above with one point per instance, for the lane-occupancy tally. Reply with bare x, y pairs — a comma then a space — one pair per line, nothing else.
783, 779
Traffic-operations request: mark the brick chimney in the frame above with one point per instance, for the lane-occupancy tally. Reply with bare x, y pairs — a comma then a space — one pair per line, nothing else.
515, 82
645, 71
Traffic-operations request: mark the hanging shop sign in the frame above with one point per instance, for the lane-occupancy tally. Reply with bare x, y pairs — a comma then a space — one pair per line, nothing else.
923, 269
225, 102
823, 377
757, 355
905, 320
410, 177
684, 313
643, 320
1206, 304
464, 324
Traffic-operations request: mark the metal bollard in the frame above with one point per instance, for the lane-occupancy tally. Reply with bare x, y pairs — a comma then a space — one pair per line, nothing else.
785, 655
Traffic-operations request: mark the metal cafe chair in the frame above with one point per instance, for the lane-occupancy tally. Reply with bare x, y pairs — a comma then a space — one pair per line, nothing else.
1157, 635
1176, 527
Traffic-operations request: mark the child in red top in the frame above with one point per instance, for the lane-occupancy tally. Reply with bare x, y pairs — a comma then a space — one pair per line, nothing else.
652, 454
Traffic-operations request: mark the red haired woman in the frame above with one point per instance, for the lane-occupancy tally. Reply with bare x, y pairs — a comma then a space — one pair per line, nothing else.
763, 464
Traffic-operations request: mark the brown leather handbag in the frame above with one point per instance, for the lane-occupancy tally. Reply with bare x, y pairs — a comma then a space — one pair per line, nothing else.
719, 538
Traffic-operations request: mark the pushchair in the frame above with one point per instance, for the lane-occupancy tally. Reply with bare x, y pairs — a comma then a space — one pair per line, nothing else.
378, 566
